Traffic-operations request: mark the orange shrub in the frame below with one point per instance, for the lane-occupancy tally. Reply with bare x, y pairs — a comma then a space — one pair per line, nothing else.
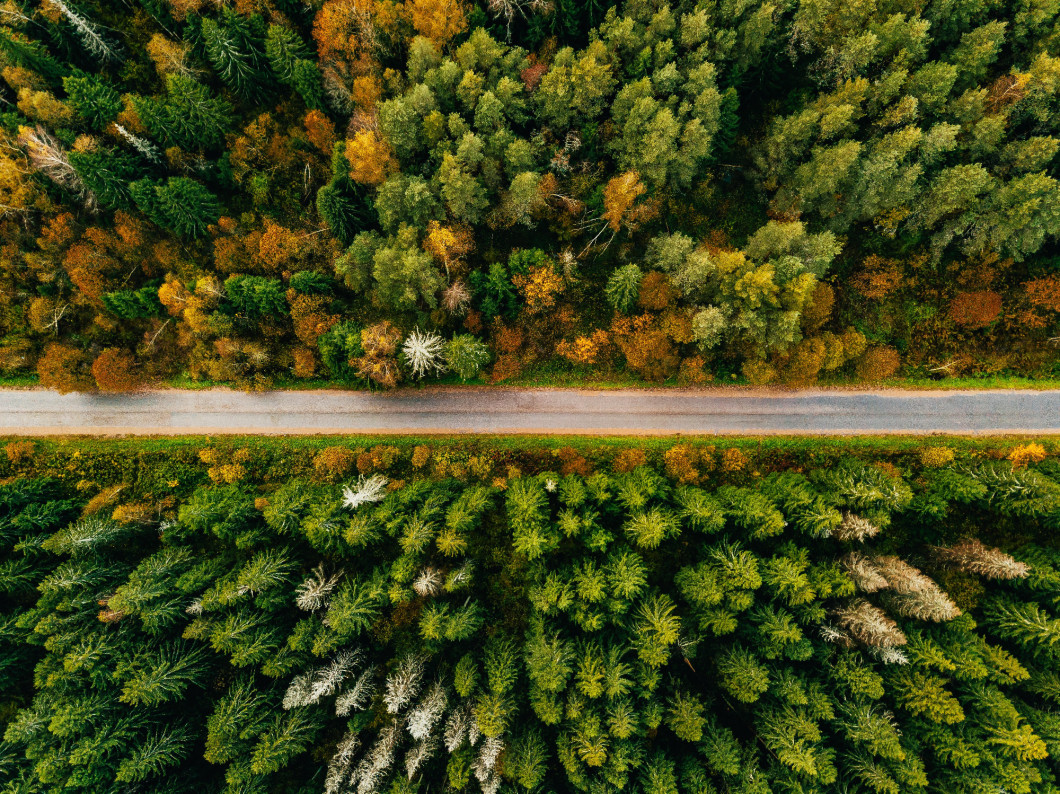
115, 370
693, 372
877, 363
506, 367
378, 459
320, 130
19, 451
507, 340
334, 463
584, 349
681, 463
539, 287
573, 462
63, 368
975, 309
655, 291
1025, 454
1044, 293
878, 277
305, 362
629, 459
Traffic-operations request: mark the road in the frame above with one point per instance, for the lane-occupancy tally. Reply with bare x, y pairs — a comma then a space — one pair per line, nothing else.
450, 410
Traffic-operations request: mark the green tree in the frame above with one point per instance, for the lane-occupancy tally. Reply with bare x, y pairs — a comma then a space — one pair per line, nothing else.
234, 47
180, 204
466, 355
92, 99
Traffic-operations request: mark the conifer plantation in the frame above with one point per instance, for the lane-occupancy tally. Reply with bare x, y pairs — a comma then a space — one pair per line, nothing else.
370, 192
296, 616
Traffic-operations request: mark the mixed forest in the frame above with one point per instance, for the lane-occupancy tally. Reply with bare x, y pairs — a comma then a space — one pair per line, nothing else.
289, 617
370, 191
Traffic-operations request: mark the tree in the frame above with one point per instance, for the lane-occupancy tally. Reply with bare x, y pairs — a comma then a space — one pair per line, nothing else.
93, 100
180, 204
290, 61
189, 116
235, 51
424, 353
623, 287
742, 676
465, 355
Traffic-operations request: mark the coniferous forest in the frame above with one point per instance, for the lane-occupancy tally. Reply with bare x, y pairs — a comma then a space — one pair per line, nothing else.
369, 191
289, 617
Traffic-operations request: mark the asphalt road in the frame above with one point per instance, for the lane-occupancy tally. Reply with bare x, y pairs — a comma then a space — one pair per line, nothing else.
173, 412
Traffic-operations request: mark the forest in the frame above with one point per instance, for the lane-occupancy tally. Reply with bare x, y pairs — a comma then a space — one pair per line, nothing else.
294, 616
368, 192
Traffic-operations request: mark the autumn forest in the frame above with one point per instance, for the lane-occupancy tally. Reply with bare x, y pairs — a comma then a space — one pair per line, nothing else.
369, 193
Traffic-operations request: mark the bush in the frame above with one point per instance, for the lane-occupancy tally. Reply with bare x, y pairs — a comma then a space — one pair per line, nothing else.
878, 363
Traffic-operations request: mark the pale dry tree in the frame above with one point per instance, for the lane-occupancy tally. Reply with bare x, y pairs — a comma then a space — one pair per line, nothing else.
460, 578
315, 592
854, 527
47, 156
930, 604
890, 655
340, 766
424, 352
146, 149
420, 753
456, 298
311, 687
836, 636
404, 683
194, 608
87, 32
378, 760
971, 556
485, 764
367, 489
429, 582
474, 733
870, 625
428, 712
866, 576
358, 696
901, 576
456, 729
509, 9
568, 264
336, 89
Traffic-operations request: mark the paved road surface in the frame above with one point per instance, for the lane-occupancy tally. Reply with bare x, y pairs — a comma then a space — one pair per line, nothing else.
39, 412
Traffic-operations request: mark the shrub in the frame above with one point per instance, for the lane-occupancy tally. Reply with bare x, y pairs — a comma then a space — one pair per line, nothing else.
20, 451
975, 309
64, 369
877, 363
334, 463
655, 292
466, 355
116, 370
629, 459
936, 457
1026, 454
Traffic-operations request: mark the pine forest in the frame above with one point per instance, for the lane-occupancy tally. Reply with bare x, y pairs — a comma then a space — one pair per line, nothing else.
334, 615
369, 192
